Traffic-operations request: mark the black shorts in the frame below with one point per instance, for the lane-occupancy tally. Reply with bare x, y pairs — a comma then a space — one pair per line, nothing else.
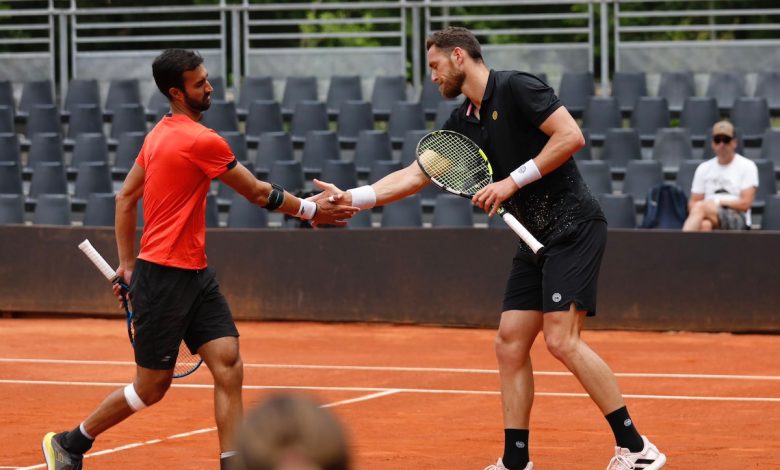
171, 304
565, 272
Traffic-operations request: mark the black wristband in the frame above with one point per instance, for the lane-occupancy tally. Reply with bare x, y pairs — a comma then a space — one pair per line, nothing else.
275, 198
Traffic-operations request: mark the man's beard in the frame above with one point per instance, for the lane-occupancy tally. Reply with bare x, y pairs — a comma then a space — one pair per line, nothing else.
451, 86
199, 106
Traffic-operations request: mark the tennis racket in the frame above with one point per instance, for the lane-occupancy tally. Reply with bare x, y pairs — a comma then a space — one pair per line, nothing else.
456, 164
186, 363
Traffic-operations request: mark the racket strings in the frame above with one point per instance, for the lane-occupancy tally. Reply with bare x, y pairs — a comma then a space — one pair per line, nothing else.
459, 165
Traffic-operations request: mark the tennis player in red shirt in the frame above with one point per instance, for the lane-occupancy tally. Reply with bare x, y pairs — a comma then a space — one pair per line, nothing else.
175, 295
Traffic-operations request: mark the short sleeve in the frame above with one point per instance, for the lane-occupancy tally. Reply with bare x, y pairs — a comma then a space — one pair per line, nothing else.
698, 180
535, 99
750, 177
140, 160
212, 154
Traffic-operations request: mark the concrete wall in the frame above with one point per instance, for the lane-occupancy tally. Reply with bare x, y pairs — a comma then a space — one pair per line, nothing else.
650, 280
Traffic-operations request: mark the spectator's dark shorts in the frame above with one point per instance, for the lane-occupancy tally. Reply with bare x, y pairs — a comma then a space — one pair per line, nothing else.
566, 272
171, 304
731, 219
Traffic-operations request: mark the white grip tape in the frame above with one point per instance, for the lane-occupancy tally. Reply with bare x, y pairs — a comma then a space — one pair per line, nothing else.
98, 260
132, 398
522, 232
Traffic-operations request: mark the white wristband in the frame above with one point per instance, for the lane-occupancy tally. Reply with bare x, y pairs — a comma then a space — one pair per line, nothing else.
307, 211
363, 197
525, 174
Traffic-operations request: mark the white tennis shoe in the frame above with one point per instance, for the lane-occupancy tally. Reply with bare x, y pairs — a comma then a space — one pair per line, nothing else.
648, 458
500, 466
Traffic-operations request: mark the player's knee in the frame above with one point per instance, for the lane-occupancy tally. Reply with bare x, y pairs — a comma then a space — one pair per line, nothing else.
152, 391
230, 370
561, 346
707, 225
510, 351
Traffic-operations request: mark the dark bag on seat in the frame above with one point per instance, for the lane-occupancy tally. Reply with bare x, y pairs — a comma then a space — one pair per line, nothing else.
666, 207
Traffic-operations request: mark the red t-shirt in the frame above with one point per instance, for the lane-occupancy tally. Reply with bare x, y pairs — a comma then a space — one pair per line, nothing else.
180, 158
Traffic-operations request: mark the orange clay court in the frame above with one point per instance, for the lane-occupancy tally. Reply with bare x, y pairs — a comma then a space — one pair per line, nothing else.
410, 396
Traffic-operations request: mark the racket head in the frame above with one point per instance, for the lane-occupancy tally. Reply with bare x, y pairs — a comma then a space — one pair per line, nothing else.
454, 162
187, 362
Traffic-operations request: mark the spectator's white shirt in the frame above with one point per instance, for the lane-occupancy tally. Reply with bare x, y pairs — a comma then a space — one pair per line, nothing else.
725, 182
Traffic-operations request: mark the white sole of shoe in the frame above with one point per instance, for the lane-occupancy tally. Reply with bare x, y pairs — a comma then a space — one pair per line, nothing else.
659, 463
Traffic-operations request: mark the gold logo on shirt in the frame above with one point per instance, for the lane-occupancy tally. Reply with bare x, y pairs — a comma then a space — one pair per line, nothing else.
495, 115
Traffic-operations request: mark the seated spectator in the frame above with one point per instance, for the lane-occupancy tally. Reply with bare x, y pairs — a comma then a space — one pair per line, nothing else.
723, 187
290, 432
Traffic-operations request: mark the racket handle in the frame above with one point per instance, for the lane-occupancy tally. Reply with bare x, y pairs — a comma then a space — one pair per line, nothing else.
522, 232
98, 260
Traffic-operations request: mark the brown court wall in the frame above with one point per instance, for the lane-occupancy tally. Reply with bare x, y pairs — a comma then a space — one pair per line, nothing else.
650, 280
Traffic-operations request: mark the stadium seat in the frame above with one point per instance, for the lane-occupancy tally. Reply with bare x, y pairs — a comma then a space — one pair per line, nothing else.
725, 87
767, 87
371, 145
452, 211
382, 168
89, 147
11, 209
319, 147
627, 88
52, 209
218, 88
770, 147
7, 95
297, 89
685, 172
585, 152
699, 114
9, 148
342, 88
45, 148
35, 92
443, 112
340, 173
84, 118
575, 90
254, 89
360, 220
81, 92
409, 146
596, 175
355, 116
404, 116
619, 209
237, 143
288, 174
7, 120
263, 116
767, 184
672, 145
92, 177
221, 117
100, 210
127, 149
404, 213
157, 107
10, 178
601, 113
751, 117
770, 217
272, 147
127, 118
244, 214
676, 87
650, 114
620, 147
430, 97
309, 116
641, 175
212, 211
387, 91
43, 119
122, 91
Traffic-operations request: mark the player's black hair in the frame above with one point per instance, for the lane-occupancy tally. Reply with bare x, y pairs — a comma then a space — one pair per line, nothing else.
168, 68
454, 36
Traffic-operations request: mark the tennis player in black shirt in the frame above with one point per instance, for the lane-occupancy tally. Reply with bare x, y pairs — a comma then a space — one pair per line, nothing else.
529, 138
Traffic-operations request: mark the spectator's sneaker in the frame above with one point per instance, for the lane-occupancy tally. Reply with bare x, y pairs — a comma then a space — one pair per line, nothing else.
648, 458
500, 466
58, 458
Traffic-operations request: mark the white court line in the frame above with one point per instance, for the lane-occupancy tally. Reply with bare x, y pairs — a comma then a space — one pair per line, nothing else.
381, 390
206, 430
408, 369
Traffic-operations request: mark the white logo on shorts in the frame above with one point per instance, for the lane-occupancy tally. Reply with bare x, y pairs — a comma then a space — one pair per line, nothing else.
520, 444
627, 422
556, 297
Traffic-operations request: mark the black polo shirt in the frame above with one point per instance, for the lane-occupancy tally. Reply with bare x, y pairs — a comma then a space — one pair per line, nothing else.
515, 104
